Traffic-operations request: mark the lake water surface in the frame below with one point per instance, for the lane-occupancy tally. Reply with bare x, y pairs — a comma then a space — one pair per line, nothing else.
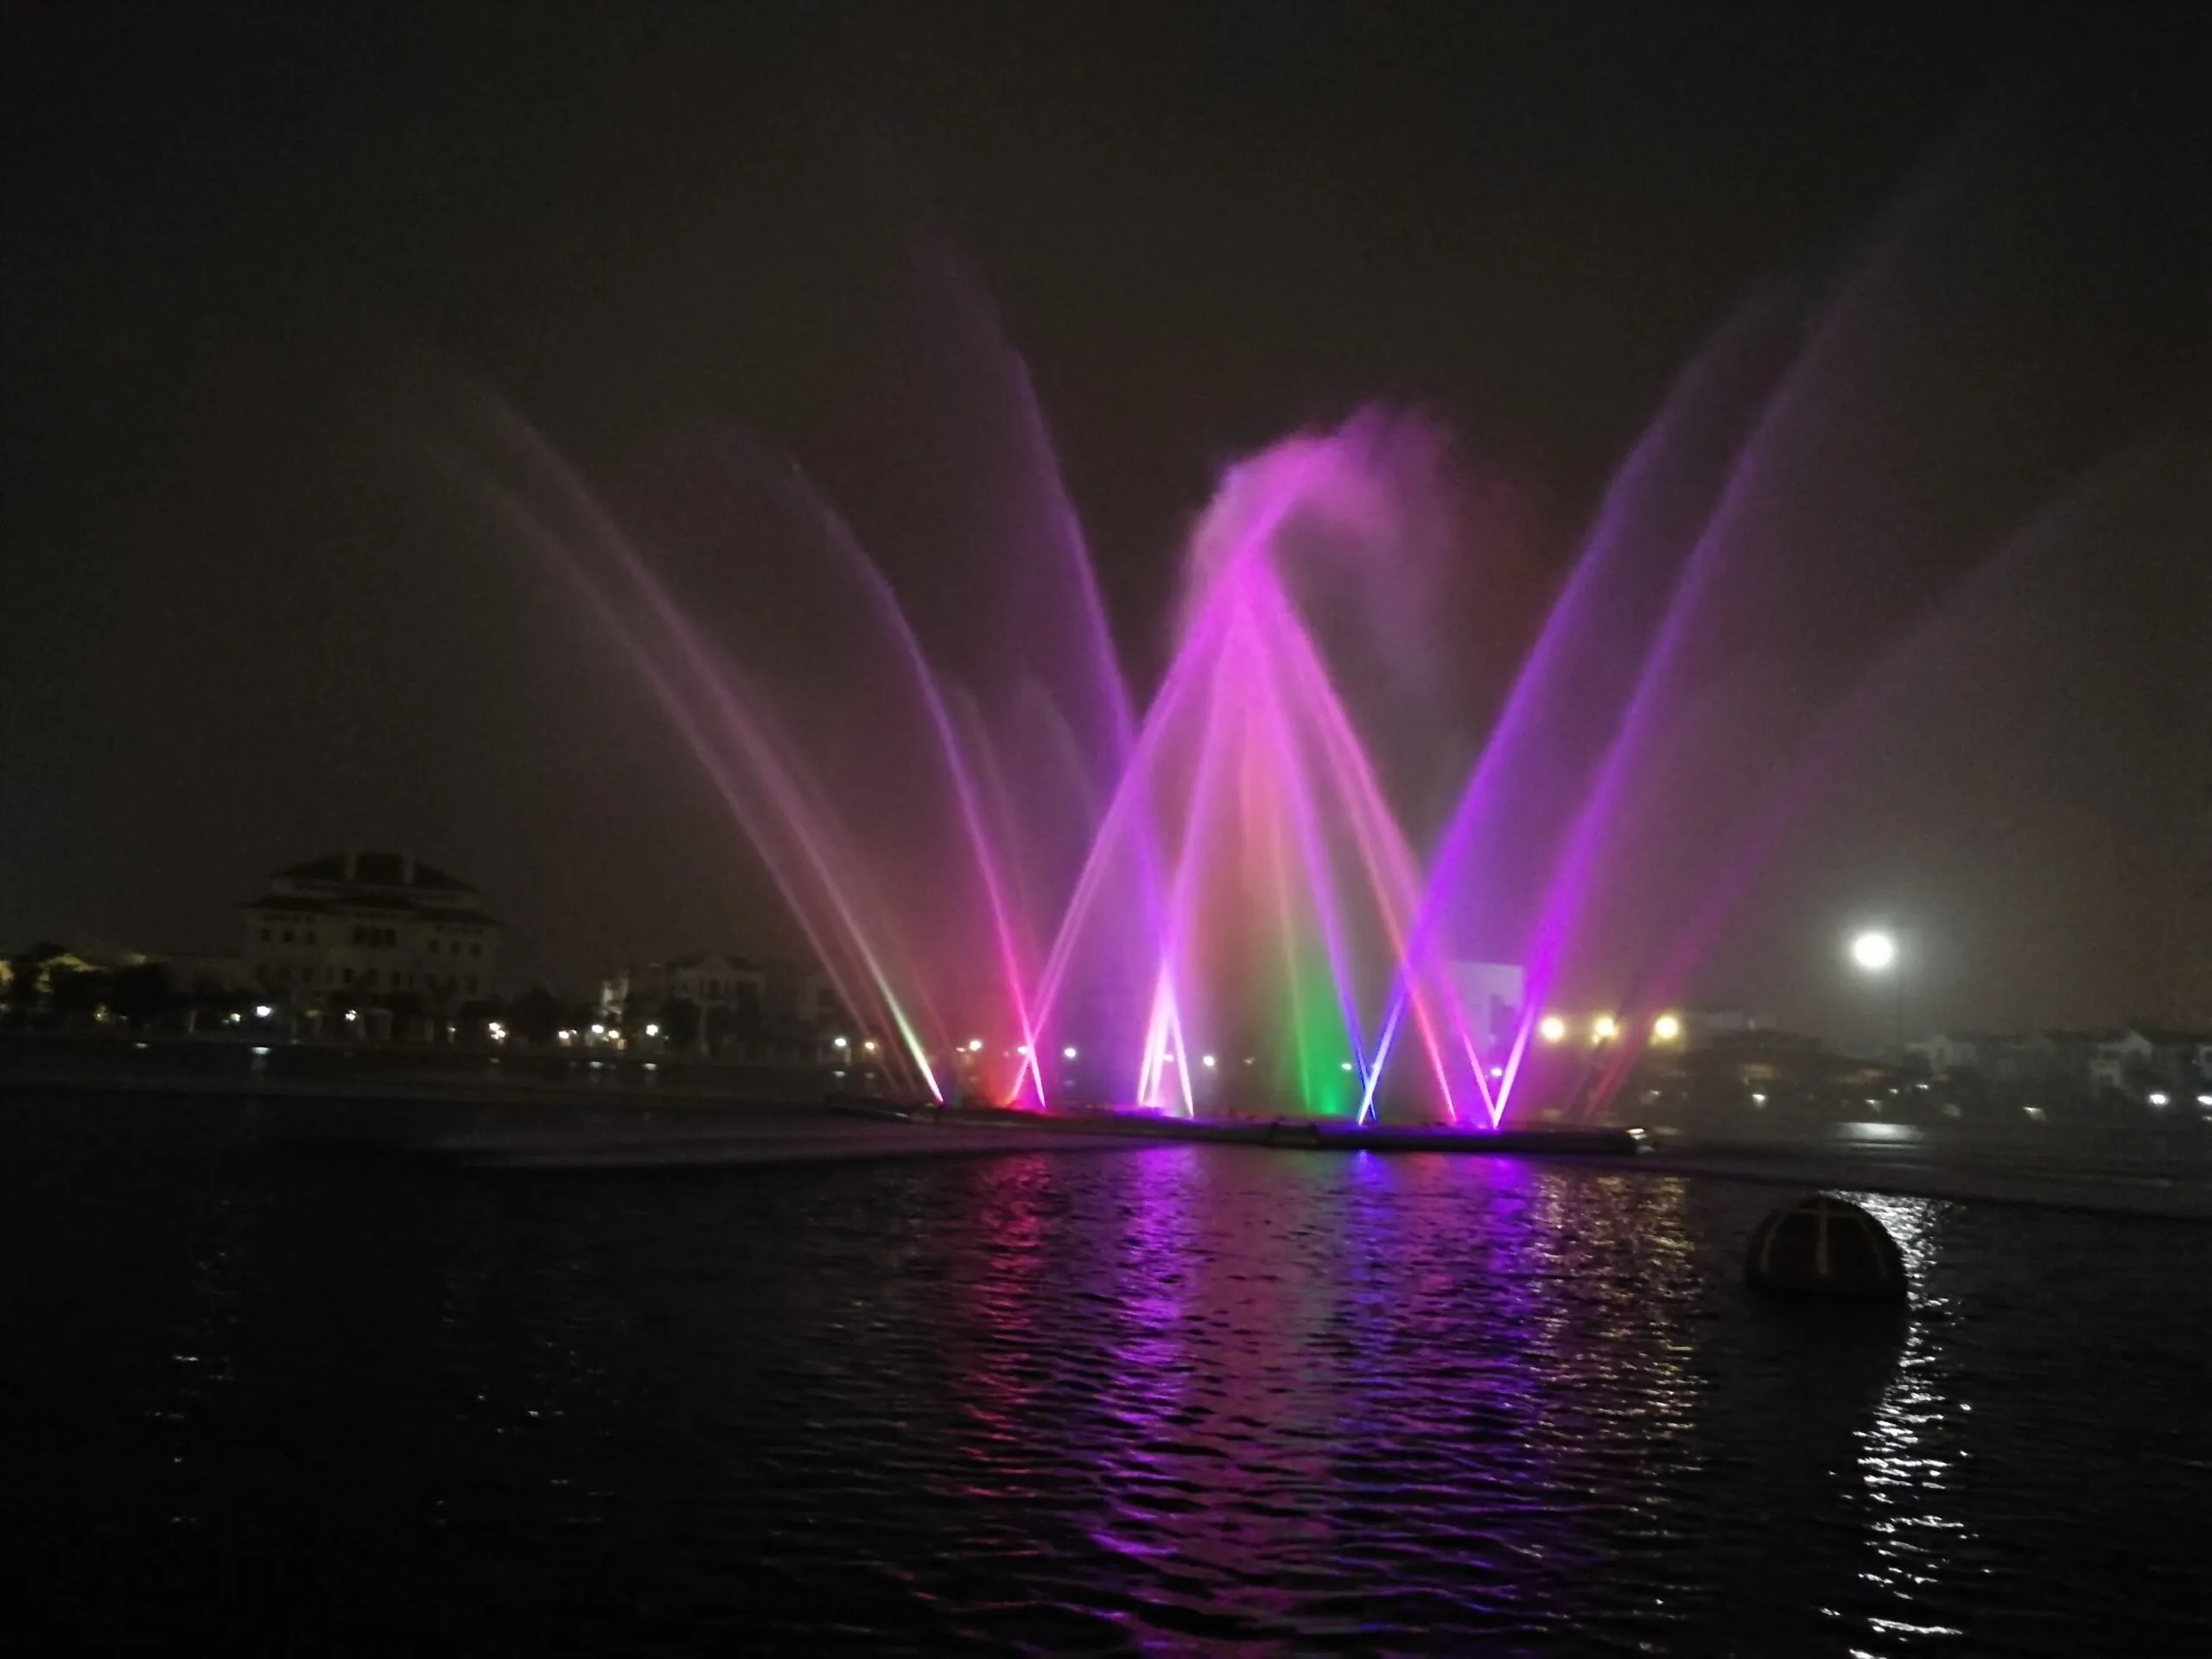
1172, 1399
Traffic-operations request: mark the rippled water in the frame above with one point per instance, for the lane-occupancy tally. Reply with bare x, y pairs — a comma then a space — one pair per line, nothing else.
1173, 1399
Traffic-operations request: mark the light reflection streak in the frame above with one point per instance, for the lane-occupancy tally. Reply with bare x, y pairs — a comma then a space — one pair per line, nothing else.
1909, 1453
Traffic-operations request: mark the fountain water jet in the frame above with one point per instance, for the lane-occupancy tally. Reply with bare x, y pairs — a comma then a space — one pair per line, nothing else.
1043, 890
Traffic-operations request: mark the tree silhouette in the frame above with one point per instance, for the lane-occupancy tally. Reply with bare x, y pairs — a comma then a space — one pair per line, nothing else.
535, 1016
141, 994
679, 1022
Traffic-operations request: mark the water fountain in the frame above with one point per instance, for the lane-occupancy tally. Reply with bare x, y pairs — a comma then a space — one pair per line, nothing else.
1034, 888
1207, 907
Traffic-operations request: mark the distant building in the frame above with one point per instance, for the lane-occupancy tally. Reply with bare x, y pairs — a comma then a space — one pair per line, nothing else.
1947, 1052
2144, 1059
1761, 1062
712, 1002
722, 987
802, 1000
370, 924
2050, 1062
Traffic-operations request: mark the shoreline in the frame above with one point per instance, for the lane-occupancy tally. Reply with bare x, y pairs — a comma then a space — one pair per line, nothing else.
583, 1124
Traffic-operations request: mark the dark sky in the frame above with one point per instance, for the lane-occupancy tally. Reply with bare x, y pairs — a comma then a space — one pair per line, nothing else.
240, 625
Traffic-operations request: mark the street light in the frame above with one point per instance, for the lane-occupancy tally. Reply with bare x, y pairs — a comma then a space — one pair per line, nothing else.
1666, 1028
1605, 1031
1875, 950
1552, 1028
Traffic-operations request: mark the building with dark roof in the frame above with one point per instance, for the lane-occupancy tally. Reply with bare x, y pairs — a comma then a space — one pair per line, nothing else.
366, 924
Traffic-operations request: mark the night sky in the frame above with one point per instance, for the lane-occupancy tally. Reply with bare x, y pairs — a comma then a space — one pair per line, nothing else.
253, 255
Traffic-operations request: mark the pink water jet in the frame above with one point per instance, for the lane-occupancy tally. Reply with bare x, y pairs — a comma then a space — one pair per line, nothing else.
1245, 891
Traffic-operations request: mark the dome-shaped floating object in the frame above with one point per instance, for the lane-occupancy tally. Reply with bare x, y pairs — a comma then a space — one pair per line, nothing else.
1826, 1247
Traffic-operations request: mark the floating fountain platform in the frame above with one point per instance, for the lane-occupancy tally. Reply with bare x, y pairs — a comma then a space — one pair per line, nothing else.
1317, 1134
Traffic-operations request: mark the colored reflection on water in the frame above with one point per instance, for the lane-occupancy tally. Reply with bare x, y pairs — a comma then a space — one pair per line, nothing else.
1188, 1398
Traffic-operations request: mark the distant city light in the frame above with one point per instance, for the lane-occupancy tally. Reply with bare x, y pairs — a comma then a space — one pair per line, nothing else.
1067, 1053
262, 1010
975, 1044
653, 1031
1552, 1028
869, 1046
598, 1031
2204, 1100
1022, 1049
350, 1015
1666, 1028
840, 1043
2158, 1097
1874, 950
1345, 1065
1605, 1030
1206, 1060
